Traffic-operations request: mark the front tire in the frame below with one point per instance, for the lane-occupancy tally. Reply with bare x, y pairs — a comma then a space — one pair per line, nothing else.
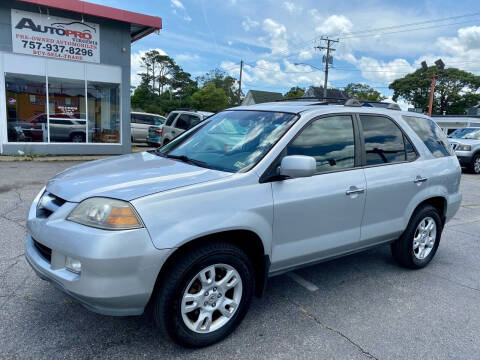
204, 295
419, 242
475, 164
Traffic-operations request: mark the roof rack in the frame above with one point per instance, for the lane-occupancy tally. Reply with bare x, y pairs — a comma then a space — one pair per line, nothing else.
339, 101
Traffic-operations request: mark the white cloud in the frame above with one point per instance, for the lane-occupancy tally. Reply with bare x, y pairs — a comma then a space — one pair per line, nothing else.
305, 54
176, 4
249, 23
277, 34
335, 25
373, 69
187, 18
186, 58
230, 43
291, 7
136, 62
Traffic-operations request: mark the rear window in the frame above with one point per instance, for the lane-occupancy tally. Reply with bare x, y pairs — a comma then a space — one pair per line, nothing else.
431, 134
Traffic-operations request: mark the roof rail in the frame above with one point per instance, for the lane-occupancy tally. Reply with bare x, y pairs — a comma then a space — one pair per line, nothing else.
353, 102
394, 106
326, 100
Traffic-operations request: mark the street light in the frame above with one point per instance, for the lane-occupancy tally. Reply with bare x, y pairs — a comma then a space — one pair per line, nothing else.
440, 66
313, 66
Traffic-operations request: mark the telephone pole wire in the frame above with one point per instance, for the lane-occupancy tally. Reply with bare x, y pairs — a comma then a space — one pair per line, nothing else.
240, 82
327, 59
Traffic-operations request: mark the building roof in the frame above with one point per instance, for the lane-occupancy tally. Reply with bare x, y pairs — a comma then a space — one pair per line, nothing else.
140, 25
265, 96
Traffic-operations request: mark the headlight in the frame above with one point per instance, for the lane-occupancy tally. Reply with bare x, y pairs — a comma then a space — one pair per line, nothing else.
105, 213
463, 148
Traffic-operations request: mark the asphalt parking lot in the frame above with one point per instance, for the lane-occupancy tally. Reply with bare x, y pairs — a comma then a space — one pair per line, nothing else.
363, 306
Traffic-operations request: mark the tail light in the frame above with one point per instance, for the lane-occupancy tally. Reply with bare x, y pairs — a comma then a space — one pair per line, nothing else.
159, 131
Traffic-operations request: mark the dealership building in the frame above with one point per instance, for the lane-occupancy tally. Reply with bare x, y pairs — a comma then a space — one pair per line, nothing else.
65, 76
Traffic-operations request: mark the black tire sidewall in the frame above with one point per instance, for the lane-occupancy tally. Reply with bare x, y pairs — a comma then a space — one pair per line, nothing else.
174, 324
427, 211
472, 165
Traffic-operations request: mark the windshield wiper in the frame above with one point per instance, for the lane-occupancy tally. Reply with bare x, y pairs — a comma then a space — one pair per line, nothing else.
188, 160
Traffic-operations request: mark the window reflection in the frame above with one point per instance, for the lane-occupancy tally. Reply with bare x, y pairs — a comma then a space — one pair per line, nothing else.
26, 110
103, 112
66, 119
384, 141
67, 110
329, 140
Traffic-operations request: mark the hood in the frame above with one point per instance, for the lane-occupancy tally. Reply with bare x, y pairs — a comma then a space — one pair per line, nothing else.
128, 177
464, 141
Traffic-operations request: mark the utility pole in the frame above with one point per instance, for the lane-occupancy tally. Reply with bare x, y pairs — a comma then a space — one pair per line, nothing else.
240, 82
327, 59
432, 91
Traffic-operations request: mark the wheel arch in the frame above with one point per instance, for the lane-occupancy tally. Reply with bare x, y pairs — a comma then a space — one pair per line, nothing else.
438, 202
246, 240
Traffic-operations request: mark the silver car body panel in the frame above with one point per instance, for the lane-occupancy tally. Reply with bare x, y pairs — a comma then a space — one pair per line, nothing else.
127, 177
299, 221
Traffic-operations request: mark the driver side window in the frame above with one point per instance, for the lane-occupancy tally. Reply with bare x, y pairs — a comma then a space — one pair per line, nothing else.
329, 140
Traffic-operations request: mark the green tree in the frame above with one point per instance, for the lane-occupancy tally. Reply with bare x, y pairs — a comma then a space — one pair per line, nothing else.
221, 80
210, 98
158, 70
361, 91
294, 92
455, 90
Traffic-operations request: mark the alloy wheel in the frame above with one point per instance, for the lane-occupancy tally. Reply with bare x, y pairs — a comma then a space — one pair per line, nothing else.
211, 298
424, 238
476, 165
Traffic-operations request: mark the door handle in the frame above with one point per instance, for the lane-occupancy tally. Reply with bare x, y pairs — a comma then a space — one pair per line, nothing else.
420, 179
354, 190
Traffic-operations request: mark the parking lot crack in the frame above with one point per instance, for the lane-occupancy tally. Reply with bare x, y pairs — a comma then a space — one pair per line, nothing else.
325, 326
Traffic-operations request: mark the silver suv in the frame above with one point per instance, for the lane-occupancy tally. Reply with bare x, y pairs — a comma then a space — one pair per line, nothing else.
179, 121
195, 228
466, 144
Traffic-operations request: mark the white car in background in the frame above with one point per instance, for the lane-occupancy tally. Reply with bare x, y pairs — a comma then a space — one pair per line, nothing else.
140, 122
179, 121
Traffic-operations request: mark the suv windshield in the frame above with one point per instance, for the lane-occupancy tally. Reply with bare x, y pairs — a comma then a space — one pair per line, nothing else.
459, 133
231, 140
475, 135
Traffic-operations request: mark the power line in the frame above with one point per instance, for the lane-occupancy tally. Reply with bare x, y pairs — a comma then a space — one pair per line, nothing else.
360, 32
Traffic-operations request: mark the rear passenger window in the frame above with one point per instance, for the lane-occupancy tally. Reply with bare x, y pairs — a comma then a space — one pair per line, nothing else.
384, 141
170, 119
329, 140
182, 122
431, 134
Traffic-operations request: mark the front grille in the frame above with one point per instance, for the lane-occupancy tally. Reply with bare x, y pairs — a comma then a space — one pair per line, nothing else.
48, 204
44, 251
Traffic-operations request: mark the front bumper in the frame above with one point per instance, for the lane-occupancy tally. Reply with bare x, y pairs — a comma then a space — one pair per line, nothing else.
119, 268
464, 157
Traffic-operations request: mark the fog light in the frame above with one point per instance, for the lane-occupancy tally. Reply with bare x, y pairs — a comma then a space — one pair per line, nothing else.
73, 265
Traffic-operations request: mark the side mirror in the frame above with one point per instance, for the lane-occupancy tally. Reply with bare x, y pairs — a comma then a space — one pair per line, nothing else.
296, 166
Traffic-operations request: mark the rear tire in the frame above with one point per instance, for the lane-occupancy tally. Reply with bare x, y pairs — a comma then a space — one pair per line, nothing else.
419, 242
185, 296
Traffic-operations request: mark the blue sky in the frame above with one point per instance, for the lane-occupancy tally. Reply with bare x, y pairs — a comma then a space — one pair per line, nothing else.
271, 36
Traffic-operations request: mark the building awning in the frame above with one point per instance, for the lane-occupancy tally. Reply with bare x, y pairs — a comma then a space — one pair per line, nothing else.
140, 25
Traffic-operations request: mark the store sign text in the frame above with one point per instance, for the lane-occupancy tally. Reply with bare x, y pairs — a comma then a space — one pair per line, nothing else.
41, 35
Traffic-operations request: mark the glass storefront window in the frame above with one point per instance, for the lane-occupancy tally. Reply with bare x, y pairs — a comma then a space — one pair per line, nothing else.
67, 110
26, 108
103, 112
67, 119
